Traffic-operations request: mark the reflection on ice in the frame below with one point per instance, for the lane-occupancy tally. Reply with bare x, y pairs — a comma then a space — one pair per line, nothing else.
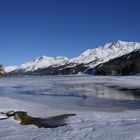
103, 91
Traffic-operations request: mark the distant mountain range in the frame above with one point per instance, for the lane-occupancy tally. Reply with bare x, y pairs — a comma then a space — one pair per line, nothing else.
88, 62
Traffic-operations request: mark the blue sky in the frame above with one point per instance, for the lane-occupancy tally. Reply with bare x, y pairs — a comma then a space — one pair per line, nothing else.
31, 28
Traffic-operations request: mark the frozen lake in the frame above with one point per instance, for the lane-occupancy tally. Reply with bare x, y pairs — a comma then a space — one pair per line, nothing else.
100, 93
106, 108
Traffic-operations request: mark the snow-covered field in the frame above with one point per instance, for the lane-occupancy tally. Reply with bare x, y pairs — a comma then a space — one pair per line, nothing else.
104, 109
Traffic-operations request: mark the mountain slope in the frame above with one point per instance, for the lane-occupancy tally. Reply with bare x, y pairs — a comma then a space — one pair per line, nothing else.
43, 62
10, 68
2, 71
128, 64
104, 53
88, 59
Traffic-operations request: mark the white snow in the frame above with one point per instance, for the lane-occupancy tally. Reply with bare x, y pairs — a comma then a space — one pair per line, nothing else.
10, 68
84, 126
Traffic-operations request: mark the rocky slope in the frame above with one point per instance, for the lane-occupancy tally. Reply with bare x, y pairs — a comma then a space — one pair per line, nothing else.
2, 71
89, 59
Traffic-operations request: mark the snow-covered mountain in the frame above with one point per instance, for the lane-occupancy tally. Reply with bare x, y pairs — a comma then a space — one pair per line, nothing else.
90, 58
105, 53
128, 64
43, 62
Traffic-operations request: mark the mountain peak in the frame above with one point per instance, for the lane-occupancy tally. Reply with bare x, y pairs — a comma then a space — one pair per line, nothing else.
121, 42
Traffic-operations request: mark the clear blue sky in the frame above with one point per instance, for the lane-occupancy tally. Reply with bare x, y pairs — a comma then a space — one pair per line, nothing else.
31, 28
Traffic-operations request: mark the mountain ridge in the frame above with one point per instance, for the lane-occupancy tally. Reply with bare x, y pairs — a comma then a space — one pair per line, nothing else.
89, 58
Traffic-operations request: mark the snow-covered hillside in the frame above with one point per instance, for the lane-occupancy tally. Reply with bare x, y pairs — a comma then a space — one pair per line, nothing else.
43, 62
10, 68
104, 53
90, 57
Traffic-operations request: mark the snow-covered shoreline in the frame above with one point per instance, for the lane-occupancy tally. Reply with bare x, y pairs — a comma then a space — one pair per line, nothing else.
84, 126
